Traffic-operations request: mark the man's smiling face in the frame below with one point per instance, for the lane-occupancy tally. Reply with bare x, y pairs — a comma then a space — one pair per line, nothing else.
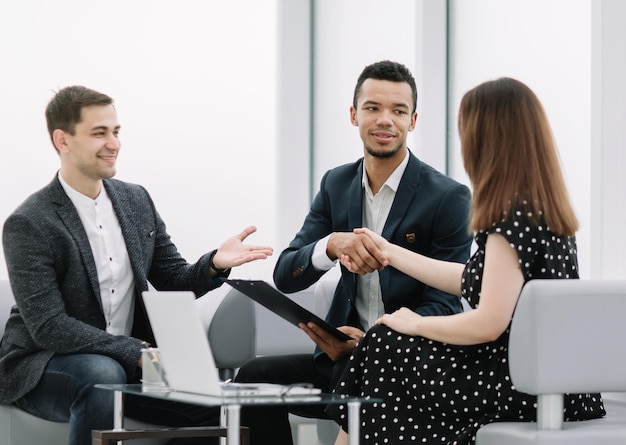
89, 155
384, 116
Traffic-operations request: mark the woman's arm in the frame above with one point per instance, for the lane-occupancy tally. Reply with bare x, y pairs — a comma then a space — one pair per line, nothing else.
443, 275
502, 282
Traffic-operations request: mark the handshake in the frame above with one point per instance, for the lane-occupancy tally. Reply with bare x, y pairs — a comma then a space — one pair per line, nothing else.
361, 251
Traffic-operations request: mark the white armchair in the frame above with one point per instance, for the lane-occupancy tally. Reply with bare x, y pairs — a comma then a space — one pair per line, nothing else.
567, 336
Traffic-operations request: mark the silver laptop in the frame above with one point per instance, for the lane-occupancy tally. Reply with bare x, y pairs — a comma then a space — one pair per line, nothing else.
186, 352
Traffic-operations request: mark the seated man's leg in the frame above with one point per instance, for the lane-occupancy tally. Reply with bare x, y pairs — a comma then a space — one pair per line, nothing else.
66, 393
270, 425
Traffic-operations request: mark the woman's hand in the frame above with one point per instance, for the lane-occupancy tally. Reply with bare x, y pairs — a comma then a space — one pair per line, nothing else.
404, 321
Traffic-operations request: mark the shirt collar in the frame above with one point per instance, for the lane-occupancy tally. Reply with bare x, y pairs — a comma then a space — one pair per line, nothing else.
78, 198
393, 181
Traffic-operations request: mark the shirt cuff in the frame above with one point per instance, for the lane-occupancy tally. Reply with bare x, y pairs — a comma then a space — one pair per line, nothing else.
319, 259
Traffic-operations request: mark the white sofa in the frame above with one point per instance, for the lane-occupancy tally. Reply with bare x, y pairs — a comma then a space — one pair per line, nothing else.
230, 320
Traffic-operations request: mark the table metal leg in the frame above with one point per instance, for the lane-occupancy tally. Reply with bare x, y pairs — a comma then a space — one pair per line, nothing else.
354, 412
223, 422
118, 412
232, 424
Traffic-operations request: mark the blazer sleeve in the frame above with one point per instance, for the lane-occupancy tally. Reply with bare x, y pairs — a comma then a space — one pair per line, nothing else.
294, 270
168, 270
152, 253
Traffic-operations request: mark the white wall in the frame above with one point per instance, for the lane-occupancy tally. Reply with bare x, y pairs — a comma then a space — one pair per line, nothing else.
547, 45
293, 118
608, 159
195, 88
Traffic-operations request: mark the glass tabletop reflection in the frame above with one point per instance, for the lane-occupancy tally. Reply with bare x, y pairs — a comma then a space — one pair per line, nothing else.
206, 400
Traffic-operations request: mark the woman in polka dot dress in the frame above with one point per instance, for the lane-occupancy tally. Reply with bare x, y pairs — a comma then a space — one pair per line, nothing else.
441, 378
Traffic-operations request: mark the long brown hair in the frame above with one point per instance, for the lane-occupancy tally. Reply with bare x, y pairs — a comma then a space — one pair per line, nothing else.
511, 158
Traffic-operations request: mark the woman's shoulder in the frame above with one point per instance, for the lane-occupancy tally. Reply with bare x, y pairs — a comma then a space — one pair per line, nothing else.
519, 221
522, 228
542, 252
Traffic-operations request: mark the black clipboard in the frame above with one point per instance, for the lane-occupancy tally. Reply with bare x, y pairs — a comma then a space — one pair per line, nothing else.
283, 306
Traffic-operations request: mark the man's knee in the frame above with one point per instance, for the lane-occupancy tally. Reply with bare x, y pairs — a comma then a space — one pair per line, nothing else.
260, 369
95, 369
282, 369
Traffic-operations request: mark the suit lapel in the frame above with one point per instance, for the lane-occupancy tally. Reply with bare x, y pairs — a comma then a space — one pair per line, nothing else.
124, 213
404, 196
68, 214
355, 200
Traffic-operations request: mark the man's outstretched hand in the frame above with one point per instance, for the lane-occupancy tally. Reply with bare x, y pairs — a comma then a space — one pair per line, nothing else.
233, 252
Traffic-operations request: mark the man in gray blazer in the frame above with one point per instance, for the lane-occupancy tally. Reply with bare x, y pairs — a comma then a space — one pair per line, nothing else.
79, 253
391, 192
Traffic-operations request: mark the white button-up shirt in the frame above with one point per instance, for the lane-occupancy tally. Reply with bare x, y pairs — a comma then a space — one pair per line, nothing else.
110, 255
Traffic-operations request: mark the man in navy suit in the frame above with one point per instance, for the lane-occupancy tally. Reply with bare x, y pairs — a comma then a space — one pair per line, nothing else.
79, 253
391, 192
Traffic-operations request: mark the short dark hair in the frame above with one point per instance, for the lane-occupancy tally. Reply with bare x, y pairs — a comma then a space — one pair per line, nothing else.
64, 109
386, 70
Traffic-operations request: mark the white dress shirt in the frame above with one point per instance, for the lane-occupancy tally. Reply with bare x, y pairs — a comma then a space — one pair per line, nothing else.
110, 255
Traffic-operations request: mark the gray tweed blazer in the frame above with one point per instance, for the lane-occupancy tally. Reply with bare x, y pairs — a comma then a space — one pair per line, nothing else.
55, 283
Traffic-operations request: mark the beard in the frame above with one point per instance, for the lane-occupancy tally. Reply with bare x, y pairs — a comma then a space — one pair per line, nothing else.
382, 154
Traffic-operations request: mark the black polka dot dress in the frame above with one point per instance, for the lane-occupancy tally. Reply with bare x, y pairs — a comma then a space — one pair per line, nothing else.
434, 392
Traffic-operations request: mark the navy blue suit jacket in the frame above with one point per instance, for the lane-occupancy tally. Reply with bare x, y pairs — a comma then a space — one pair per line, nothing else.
429, 215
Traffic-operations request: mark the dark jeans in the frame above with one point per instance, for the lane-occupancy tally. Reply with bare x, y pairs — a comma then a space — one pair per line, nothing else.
270, 425
66, 393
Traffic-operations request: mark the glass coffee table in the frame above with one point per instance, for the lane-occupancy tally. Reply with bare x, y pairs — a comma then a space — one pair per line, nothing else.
231, 407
